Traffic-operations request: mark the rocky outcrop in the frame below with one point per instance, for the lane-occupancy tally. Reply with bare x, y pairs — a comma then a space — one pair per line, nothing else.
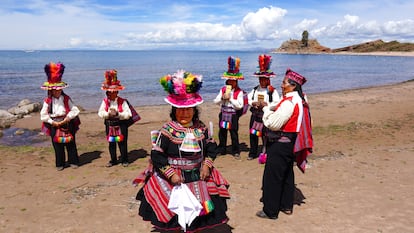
25, 107
297, 47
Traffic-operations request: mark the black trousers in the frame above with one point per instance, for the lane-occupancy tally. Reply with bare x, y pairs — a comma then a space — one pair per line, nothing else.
234, 134
59, 148
278, 177
123, 145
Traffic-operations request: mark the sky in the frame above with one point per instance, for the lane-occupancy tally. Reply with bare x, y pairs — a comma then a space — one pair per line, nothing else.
199, 25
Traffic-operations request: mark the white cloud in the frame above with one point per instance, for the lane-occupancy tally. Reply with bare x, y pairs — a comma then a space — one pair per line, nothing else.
399, 27
262, 23
75, 24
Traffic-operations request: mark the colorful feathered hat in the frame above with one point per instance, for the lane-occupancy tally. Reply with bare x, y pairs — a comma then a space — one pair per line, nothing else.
111, 82
182, 88
54, 72
233, 71
292, 75
264, 67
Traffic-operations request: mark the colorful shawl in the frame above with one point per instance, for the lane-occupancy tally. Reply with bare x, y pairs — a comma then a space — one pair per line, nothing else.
304, 141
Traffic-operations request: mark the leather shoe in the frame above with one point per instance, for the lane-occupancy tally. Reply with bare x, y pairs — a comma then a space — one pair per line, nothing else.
262, 214
287, 211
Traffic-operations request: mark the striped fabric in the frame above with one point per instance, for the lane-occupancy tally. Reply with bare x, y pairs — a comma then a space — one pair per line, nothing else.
158, 191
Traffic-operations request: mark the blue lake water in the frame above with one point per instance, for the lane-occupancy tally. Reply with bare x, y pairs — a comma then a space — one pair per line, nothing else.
22, 74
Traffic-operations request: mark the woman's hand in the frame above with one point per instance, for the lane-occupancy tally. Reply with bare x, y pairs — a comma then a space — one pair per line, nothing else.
176, 179
226, 96
55, 124
204, 172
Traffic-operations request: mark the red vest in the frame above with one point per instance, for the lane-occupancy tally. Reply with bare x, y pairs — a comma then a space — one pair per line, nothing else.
120, 102
295, 120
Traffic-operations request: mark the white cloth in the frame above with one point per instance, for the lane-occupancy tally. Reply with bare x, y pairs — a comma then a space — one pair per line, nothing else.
184, 204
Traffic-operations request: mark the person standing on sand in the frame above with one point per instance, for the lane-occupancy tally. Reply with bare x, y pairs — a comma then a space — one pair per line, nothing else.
116, 113
261, 95
60, 117
182, 158
230, 97
284, 123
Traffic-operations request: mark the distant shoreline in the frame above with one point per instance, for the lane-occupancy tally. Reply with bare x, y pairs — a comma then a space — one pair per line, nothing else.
398, 54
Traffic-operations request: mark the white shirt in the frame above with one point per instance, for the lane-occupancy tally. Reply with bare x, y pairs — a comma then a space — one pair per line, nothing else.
124, 115
234, 103
263, 91
58, 110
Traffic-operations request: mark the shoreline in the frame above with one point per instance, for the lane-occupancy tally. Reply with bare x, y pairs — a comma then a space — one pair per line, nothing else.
399, 54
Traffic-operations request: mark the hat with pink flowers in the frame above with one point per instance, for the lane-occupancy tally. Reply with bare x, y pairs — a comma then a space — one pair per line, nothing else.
182, 88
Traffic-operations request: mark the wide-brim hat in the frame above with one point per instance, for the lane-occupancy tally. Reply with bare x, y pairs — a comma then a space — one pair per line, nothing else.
264, 67
182, 88
184, 101
54, 73
54, 86
111, 82
233, 71
112, 87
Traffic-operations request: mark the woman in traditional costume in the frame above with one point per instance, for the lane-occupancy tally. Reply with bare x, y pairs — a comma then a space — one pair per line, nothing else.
182, 160
60, 117
288, 119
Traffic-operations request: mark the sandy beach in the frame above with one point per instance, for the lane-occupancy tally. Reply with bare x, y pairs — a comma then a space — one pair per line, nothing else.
359, 179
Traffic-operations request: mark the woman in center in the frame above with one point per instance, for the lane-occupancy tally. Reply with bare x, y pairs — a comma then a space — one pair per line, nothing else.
184, 153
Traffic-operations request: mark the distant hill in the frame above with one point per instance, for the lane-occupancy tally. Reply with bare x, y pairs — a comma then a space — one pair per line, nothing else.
377, 46
296, 46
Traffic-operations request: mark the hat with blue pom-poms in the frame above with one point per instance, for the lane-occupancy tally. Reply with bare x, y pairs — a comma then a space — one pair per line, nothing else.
233, 71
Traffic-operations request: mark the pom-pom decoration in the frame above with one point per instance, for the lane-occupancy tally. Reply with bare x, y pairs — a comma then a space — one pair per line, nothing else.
256, 132
225, 125
111, 82
270, 89
182, 88
264, 66
63, 139
118, 138
54, 73
233, 71
208, 206
262, 158
181, 83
